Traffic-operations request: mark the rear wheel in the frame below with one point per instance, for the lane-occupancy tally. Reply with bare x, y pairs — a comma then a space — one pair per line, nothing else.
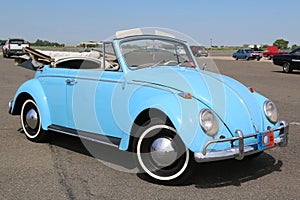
7, 55
287, 67
31, 122
4, 54
161, 154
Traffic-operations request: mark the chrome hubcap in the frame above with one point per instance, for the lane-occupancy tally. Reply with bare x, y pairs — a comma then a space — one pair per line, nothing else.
286, 67
32, 119
162, 152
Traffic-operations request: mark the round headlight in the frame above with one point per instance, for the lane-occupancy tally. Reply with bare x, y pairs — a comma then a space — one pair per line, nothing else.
271, 111
208, 122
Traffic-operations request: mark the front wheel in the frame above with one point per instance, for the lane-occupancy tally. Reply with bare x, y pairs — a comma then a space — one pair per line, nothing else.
161, 154
31, 122
287, 67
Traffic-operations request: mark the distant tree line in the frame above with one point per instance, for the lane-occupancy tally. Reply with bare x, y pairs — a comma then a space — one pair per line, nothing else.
2, 42
43, 43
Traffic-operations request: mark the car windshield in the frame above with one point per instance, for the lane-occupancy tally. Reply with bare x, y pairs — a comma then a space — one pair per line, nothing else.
17, 41
296, 52
155, 52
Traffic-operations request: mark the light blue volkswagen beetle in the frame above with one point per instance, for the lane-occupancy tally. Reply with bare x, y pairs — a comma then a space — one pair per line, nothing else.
142, 95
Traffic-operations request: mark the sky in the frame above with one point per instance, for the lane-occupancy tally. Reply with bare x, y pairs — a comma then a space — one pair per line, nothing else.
231, 22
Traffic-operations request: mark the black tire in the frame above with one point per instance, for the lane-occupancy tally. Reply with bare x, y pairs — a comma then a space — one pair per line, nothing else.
7, 55
236, 58
287, 68
269, 57
31, 122
247, 58
152, 161
258, 59
4, 54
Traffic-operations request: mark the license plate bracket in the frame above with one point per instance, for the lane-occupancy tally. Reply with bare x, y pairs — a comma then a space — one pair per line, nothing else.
265, 140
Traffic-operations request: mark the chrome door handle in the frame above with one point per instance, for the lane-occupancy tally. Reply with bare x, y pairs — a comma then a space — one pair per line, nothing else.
71, 81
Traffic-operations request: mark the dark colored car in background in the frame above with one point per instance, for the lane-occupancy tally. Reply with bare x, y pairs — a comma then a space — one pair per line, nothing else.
289, 61
199, 51
247, 54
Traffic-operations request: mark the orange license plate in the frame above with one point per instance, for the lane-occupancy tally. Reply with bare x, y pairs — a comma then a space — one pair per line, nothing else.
265, 140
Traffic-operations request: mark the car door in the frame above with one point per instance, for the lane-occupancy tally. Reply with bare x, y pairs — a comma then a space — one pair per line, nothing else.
53, 81
296, 58
89, 99
240, 54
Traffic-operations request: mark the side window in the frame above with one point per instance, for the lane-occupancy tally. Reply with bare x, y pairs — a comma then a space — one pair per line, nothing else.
79, 64
110, 61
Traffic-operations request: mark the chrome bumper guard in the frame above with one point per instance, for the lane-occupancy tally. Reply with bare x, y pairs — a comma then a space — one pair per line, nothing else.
10, 104
241, 151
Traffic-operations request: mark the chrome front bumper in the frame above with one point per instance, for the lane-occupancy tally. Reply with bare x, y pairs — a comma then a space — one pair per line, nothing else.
240, 151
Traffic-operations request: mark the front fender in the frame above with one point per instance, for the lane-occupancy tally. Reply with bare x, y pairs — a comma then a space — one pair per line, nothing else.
33, 89
182, 112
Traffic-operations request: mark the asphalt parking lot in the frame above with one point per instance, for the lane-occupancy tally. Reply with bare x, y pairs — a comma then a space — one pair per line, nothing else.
63, 169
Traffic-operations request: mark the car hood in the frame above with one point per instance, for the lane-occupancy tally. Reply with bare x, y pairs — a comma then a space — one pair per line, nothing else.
235, 105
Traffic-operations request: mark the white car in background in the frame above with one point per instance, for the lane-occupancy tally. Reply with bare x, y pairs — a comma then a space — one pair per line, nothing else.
14, 46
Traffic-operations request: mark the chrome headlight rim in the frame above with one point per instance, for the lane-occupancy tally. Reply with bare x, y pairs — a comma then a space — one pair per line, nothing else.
272, 115
213, 130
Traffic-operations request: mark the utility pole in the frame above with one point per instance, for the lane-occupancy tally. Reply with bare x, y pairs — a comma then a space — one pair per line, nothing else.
210, 46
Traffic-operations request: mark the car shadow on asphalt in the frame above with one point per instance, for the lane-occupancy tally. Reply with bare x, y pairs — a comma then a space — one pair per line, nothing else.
108, 155
206, 175
233, 172
294, 72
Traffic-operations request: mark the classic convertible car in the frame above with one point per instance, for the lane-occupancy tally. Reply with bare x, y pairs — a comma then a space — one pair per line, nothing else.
154, 102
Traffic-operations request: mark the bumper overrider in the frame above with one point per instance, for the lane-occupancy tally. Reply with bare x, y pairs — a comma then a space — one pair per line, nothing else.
10, 104
240, 151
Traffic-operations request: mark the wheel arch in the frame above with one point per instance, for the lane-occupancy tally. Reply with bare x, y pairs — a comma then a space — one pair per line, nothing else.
143, 117
32, 90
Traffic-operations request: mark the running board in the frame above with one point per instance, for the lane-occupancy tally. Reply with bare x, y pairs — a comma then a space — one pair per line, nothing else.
107, 140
